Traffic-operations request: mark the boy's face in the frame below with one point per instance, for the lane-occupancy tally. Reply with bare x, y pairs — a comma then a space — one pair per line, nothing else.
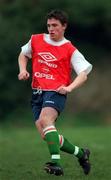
55, 29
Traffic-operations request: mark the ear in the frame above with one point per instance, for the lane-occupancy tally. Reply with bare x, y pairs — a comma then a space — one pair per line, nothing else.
64, 26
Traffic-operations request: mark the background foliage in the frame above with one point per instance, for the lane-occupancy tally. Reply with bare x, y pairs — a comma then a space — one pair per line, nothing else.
89, 29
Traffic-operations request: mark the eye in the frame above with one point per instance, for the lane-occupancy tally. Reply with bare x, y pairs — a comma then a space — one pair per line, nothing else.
54, 25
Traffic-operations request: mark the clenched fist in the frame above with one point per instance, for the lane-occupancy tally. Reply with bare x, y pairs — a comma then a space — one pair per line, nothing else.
24, 75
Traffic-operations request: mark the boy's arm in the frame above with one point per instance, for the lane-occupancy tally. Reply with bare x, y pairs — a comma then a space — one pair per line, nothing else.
23, 73
77, 82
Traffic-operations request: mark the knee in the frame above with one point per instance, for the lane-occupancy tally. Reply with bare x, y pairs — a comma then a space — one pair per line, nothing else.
39, 128
37, 123
43, 122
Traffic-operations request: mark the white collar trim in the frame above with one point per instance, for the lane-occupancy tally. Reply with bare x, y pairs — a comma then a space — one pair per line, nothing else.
54, 43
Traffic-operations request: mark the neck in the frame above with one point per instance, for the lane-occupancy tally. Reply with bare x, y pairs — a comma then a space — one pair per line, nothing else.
57, 40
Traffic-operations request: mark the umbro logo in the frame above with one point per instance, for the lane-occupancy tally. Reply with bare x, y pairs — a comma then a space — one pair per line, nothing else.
47, 56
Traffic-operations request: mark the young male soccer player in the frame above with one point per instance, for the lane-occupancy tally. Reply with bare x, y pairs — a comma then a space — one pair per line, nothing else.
53, 57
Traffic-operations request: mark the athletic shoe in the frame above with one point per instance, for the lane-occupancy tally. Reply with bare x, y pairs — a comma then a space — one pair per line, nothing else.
84, 161
53, 168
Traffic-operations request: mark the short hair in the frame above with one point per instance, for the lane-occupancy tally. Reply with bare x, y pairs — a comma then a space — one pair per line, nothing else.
58, 15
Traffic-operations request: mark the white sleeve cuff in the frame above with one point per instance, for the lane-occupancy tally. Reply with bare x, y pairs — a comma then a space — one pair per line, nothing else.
79, 63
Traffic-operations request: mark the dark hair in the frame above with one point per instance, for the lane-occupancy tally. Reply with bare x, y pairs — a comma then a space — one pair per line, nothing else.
59, 15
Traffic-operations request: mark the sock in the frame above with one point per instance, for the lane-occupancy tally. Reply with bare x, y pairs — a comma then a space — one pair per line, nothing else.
67, 147
52, 139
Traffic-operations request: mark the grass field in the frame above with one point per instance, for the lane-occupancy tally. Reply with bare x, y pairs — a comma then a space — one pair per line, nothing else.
23, 154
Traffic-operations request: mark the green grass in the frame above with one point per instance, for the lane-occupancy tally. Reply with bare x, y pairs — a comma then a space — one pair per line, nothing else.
23, 153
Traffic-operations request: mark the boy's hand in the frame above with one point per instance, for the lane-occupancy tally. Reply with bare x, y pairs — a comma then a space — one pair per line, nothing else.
24, 75
63, 89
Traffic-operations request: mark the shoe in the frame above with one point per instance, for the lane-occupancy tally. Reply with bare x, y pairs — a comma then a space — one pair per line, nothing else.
53, 168
84, 161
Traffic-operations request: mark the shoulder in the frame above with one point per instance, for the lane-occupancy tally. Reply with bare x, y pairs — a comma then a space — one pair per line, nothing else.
34, 36
70, 47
